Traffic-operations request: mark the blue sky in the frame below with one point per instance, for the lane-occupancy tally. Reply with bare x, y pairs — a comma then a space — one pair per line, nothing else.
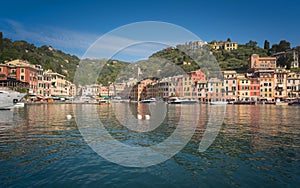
72, 26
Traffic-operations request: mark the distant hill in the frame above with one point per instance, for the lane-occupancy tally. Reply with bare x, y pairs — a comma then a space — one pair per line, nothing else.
164, 63
46, 56
238, 59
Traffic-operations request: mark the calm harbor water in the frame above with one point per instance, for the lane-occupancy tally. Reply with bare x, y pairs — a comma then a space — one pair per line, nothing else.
257, 146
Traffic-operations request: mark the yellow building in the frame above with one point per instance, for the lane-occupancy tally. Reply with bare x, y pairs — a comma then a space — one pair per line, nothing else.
266, 78
280, 84
139, 91
224, 45
243, 88
187, 86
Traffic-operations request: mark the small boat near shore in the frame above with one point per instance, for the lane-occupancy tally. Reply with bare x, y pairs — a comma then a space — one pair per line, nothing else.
176, 100
218, 103
296, 103
244, 103
118, 100
151, 100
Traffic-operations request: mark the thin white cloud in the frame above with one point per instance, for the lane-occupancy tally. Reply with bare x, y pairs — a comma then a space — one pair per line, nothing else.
117, 44
47, 35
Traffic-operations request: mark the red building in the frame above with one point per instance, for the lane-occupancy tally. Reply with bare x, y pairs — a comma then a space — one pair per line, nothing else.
21, 71
254, 88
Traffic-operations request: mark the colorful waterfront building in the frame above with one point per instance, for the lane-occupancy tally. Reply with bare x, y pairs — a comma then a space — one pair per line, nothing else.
215, 90
176, 86
188, 86
22, 71
243, 88
151, 91
280, 84
248, 87
293, 85
139, 91
198, 84
58, 87
254, 88
40, 87
266, 79
230, 85
163, 88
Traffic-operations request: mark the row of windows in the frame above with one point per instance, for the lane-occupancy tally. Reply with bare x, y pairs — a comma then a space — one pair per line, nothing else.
266, 90
266, 84
249, 88
233, 81
266, 95
293, 81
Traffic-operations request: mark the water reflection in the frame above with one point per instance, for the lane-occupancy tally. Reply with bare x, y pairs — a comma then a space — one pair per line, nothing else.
258, 145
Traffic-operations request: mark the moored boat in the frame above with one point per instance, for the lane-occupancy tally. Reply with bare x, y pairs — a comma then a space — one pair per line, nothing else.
244, 102
151, 100
176, 100
9, 98
118, 100
296, 103
218, 103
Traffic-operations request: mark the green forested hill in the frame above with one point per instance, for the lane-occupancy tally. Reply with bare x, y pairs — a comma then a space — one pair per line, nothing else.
46, 56
238, 59
163, 63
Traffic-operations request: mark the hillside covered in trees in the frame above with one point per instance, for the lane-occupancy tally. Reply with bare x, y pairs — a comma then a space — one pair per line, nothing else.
46, 56
163, 63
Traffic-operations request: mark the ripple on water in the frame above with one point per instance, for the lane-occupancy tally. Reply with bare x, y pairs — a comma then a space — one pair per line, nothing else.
257, 146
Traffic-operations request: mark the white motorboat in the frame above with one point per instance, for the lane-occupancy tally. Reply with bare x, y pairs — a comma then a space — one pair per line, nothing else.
151, 100
218, 103
118, 100
9, 98
176, 100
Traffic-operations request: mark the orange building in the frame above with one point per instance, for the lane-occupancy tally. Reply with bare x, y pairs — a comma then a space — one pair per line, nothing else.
254, 88
257, 62
139, 91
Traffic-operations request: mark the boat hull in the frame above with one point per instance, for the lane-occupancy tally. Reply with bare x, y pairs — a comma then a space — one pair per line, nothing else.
10, 98
245, 103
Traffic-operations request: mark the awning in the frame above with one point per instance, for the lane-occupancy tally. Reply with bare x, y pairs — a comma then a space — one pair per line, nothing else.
105, 96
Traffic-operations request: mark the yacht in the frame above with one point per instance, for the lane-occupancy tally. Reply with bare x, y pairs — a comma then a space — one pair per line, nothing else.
9, 98
177, 100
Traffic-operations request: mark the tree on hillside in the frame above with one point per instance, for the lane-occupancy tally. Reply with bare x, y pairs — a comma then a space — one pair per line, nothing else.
285, 60
281, 47
251, 43
266, 45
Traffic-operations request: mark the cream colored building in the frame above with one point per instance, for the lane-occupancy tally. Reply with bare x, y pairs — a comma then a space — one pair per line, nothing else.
293, 85
224, 45
59, 86
280, 84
